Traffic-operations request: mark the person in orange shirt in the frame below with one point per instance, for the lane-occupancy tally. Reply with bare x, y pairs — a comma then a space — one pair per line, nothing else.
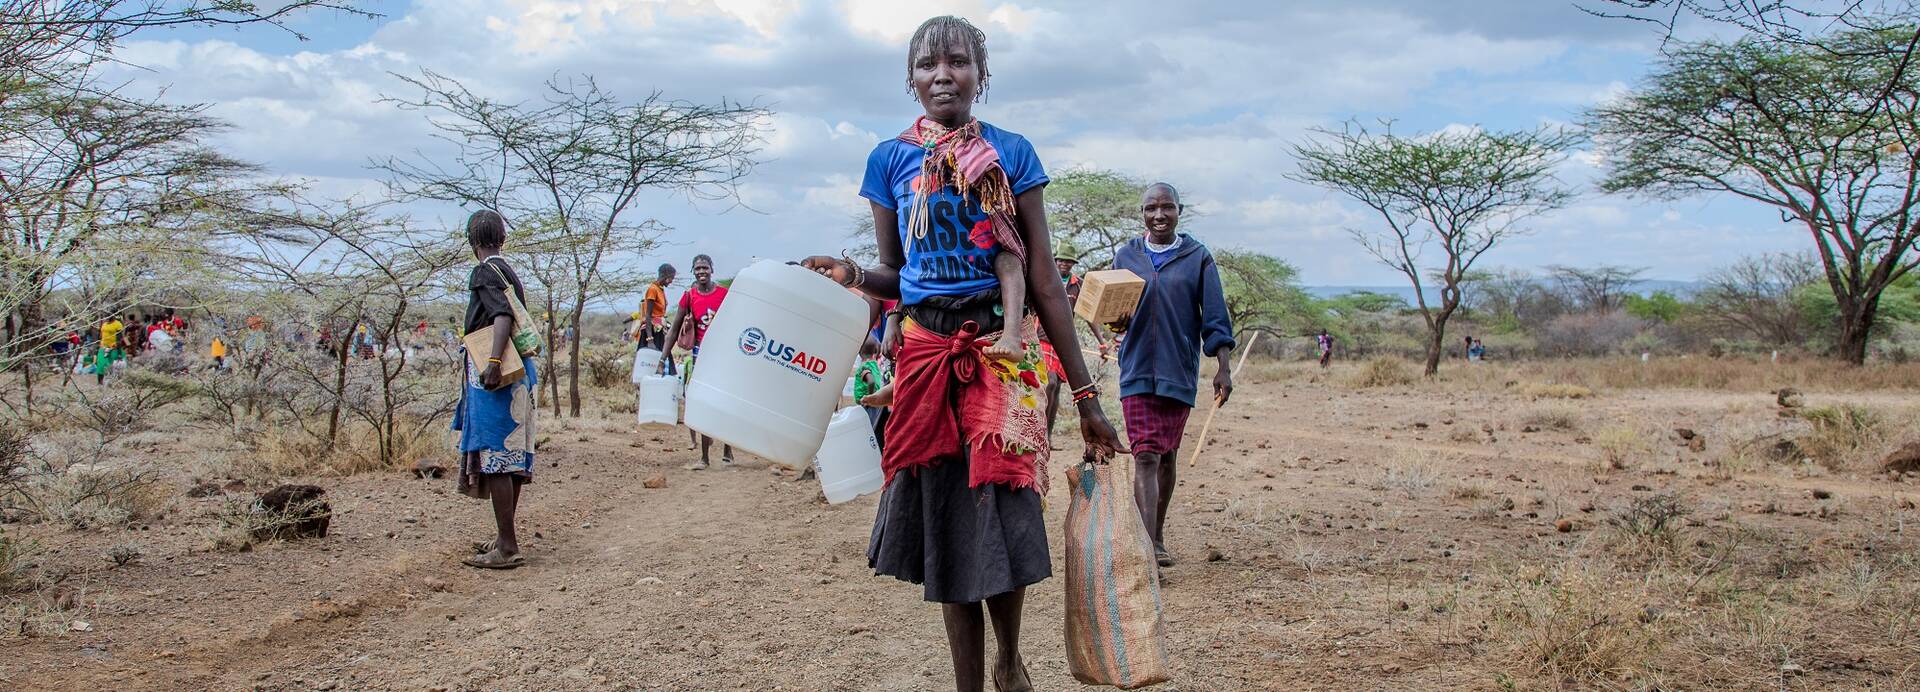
652, 324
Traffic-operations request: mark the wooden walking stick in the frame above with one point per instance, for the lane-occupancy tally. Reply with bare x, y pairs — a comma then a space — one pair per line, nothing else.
1208, 427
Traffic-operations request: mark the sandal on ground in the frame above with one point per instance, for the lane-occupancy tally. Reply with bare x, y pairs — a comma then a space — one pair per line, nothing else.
494, 560
1005, 682
484, 547
697, 466
1163, 557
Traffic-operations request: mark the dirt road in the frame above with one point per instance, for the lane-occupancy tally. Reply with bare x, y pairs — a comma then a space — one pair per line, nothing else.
1325, 542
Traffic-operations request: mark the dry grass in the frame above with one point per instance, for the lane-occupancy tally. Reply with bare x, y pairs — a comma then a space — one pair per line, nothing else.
1725, 374
1467, 492
1649, 526
15, 555
84, 481
1621, 446
1560, 417
1577, 623
1537, 390
287, 452
1844, 436
1269, 371
1411, 473
243, 523
1384, 372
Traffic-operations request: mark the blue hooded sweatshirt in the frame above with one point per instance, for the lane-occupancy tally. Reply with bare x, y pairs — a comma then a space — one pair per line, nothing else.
1182, 312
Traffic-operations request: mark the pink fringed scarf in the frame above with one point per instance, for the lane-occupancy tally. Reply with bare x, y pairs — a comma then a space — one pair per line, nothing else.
962, 158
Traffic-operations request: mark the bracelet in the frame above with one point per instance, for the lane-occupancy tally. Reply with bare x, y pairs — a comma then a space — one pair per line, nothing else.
1088, 387
1085, 393
856, 275
494, 361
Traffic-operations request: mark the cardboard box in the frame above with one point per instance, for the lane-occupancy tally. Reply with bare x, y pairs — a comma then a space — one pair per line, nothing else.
480, 343
1107, 296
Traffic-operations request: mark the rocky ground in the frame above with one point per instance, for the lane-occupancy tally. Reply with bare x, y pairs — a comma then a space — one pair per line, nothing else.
1424, 537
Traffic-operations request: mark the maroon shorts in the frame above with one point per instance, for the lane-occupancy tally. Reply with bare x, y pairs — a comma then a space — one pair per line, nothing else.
1154, 423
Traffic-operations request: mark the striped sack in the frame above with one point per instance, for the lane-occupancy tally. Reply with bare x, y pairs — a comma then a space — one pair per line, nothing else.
1113, 585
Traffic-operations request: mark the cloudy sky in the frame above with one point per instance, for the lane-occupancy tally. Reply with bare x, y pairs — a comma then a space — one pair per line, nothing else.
1207, 97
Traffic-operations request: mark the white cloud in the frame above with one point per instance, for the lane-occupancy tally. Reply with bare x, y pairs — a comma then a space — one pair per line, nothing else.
1209, 96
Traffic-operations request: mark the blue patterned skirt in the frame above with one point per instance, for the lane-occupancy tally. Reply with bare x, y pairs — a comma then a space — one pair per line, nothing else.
496, 429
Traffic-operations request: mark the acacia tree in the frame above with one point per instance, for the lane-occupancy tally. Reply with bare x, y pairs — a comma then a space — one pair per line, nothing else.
576, 160
352, 265
95, 192
1596, 289
1513, 298
1799, 22
1827, 134
1446, 198
1093, 212
46, 40
1262, 291
548, 253
1757, 296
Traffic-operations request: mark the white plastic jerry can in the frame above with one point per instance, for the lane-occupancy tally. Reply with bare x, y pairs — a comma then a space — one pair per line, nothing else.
771, 365
646, 362
659, 400
849, 459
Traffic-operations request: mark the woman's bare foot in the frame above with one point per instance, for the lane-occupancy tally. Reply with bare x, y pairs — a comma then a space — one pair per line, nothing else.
1008, 347
496, 559
879, 399
1012, 678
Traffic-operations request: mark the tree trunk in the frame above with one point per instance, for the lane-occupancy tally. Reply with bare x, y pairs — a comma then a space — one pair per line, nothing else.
1437, 336
1856, 326
26, 372
1858, 303
573, 354
345, 346
388, 372
553, 358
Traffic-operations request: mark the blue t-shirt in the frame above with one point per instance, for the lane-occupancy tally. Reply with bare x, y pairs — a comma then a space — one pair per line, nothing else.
1160, 258
948, 261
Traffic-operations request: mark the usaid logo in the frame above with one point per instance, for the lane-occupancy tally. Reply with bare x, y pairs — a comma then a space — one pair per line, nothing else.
752, 341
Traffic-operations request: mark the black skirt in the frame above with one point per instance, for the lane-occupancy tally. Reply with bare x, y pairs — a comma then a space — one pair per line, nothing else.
962, 544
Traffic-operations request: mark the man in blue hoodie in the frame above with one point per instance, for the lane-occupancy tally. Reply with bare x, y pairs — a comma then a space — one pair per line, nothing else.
1182, 313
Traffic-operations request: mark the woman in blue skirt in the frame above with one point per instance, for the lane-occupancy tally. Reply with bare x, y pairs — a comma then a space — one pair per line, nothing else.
495, 421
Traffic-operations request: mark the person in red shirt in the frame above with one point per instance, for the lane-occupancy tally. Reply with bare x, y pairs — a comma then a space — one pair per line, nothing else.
697, 308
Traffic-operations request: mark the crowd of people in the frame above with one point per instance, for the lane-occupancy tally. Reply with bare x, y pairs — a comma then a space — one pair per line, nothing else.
104, 347
965, 457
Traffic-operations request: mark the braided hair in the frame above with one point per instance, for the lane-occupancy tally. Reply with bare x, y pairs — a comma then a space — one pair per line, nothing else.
941, 35
487, 229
